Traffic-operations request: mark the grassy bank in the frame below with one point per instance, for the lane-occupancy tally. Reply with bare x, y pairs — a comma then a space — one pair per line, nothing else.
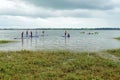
6, 41
118, 38
56, 65
115, 52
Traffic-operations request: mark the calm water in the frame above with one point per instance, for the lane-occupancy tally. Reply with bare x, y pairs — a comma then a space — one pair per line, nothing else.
54, 41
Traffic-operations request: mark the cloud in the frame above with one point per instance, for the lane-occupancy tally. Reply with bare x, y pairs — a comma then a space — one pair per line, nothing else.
73, 4
58, 22
21, 22
54, 8
59, 13
18, 8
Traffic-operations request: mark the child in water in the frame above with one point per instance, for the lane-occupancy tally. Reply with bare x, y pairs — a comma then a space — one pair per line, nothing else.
68, 35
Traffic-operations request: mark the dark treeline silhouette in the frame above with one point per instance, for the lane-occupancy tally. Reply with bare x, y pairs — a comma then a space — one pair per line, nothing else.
61, 29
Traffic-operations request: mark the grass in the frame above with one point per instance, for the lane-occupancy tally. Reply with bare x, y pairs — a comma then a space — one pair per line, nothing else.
118, 38
115, 52
56, 65
6, 41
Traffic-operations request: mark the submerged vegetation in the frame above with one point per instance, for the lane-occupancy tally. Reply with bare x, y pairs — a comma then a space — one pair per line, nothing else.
56, 65
118, 38
6, 41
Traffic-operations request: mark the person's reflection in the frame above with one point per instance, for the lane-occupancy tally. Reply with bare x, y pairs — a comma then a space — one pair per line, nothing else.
27, 41
65, 41
22, 42
42, 38
31, 41
36, 42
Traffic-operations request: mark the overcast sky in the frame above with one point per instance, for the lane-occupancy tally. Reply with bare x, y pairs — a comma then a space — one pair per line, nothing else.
59, 13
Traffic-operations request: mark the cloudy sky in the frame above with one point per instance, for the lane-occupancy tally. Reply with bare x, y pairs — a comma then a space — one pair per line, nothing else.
59, 13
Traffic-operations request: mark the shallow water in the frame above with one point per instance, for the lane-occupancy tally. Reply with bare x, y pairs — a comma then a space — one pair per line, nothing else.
53, 40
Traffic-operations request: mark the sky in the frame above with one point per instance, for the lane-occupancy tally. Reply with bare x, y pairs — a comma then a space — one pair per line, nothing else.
59, 13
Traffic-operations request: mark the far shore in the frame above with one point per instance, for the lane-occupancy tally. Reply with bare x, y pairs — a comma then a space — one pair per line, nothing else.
59, 28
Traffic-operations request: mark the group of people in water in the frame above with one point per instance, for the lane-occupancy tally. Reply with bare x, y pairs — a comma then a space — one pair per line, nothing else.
90, 33
66, 34
27, 34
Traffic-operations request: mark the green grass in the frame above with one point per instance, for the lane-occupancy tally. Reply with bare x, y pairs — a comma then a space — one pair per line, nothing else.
6, 41
118, 38
56, 65
115, 52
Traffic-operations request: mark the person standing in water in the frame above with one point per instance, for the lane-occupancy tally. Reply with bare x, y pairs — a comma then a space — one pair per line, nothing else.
26, 33
22, 34
65, 33
43, 33
31, 34
68, 35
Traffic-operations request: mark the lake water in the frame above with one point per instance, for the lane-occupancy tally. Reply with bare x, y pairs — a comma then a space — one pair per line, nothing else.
53, 40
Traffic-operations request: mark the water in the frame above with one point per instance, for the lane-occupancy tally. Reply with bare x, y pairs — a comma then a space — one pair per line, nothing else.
54, 40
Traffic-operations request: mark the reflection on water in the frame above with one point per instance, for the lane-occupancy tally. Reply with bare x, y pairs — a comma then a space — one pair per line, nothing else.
43, 42
54, 40
66, 40
31, 41
27, 42
36, 42
22, 42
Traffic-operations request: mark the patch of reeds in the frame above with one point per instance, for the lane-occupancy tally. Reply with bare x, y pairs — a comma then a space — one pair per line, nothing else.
6, 41
118, 38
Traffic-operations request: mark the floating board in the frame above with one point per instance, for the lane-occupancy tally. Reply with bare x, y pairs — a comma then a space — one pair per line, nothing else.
63, 36
21, 38
32, 36
44, 35
27, 37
